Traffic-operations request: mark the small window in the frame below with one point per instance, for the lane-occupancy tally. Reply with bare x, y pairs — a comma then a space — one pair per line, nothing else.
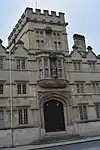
2, 123
1, 115
92, 66
59, 68
46, 73
55, 45
1, 88
45, 63
18, 88
83, 112
18, 63
20, 116
59, 45
96, 87
40, 69
1, 64
41, 32
23, 116
97, 108
58, 34
54, 34
37, 44
21, 88
37, 33
23, 64
76, 65
24, 88
80, 88
42, 44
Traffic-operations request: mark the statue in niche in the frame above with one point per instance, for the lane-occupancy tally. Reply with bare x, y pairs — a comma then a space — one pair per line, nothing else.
53, 68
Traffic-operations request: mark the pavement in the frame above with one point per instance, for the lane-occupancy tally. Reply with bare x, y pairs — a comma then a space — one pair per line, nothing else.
57, 145
93, 145
56, 138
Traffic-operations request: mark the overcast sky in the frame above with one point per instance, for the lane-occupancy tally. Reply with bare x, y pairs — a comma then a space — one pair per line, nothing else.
83, 17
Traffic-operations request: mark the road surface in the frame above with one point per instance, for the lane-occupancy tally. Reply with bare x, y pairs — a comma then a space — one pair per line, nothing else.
82, 146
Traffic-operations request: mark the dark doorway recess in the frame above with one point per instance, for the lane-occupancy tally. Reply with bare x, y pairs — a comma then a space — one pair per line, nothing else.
54, 116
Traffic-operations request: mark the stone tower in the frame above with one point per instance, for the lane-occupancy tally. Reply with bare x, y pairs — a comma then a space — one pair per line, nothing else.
40, 31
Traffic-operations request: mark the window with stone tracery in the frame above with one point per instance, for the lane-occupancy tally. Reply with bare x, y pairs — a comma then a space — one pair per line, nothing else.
40, 69
50, 68
46, 71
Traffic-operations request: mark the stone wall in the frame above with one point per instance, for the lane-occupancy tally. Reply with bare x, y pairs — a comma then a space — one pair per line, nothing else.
28, 135
85, 129
5, 138
88, 129
21, 136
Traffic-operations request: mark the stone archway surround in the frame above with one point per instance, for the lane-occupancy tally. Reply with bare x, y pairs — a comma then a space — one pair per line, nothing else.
59, 96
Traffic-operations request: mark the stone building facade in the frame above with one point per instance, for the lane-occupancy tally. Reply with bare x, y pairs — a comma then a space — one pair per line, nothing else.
52, 88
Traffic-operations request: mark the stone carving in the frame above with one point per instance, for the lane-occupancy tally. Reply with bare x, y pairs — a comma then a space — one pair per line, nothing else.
61, 95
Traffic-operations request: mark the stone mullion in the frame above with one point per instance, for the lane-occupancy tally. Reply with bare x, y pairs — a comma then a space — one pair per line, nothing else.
43, 67
62, 66
49, 68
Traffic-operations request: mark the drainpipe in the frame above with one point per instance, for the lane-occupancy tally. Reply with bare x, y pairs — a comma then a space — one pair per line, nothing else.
11, 98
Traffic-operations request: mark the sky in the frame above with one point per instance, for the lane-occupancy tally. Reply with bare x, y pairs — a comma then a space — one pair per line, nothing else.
83, 17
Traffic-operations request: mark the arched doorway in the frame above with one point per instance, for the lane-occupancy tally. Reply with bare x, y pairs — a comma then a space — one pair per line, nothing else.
53, 116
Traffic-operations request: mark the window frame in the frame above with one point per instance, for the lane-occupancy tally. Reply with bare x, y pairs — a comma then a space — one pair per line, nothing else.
92, 66
37, 44
55, 45
37, 33
80, 87
83, 111
97, 109
41, 33
42, 43
19, 63
45, 70
23, 116
1, 63
59, 68
95, 87
59, 45
40, 65
20, 88
77, 65
2, 118
1, 89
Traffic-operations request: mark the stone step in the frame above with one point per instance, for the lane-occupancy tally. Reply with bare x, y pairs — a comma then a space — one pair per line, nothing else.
56, 138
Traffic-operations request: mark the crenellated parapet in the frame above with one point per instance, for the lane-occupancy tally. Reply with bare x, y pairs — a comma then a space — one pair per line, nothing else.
37, 16
17, 27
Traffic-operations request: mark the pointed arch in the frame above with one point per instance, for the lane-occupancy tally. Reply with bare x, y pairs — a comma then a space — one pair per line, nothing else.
53, 95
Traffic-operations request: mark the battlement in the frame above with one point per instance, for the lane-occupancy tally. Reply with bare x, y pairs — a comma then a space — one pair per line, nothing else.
37, 16
45, 13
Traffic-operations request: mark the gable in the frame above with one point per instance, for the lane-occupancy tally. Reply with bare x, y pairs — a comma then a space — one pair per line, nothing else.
75, 54
20, 51
91, 55
2, 50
